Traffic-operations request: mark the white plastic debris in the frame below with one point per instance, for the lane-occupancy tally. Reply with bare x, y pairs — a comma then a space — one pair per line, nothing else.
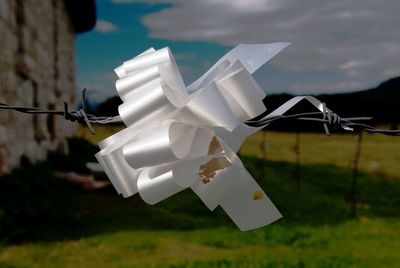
181, 137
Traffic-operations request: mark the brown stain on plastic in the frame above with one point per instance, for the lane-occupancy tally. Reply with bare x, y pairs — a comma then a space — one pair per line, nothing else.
215, 146
210, 168
258, 195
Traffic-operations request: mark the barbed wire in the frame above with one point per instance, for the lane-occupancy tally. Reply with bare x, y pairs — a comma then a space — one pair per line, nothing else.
80, 116
329, 118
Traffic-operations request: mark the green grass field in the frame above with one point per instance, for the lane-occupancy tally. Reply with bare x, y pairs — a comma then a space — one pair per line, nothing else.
380, 155
316, 230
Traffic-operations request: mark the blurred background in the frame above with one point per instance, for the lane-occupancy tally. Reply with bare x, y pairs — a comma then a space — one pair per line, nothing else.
340, 195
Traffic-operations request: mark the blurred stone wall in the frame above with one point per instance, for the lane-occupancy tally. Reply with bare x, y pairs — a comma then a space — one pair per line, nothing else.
37, 68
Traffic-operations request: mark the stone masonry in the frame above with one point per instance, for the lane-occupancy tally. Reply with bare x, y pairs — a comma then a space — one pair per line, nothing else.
37, 68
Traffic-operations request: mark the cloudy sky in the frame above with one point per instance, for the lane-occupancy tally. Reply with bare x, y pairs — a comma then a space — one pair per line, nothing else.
336, 46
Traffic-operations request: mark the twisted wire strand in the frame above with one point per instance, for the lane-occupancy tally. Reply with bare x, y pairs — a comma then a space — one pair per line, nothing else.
329, 118
80, 116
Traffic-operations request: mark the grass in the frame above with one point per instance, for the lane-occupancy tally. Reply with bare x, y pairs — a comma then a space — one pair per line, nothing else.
351, 244
180, 232
102, 132
380, 154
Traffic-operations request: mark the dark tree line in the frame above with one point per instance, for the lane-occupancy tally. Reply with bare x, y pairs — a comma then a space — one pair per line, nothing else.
381, 102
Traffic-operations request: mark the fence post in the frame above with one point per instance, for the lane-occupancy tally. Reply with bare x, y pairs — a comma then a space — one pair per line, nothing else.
263, 149
354, 181
296, 150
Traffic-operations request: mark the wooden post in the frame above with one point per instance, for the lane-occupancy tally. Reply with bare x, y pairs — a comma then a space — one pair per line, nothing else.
296, 150
263, 151
354, 181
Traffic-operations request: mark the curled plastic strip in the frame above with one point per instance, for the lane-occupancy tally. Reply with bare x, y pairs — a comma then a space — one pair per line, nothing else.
179, 137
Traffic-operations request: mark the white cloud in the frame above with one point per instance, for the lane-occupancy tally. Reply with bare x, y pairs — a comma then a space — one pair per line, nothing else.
358, 38
318, 88
101, 82
104, 26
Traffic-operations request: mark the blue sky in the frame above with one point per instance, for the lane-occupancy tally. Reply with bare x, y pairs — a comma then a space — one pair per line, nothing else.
336, 46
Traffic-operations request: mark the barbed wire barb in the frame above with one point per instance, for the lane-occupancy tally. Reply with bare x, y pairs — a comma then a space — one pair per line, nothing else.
329, 118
